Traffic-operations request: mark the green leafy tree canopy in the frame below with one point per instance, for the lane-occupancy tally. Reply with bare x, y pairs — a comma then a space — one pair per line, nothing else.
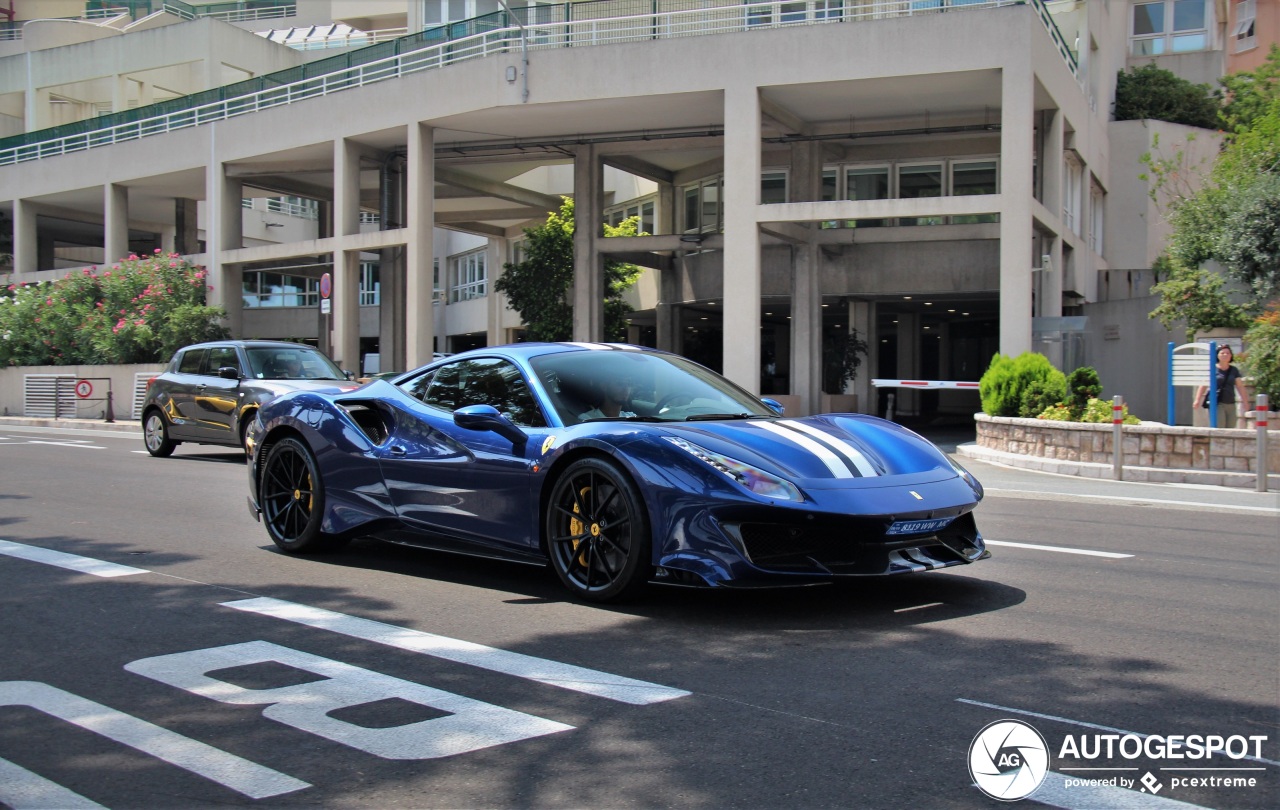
538, 286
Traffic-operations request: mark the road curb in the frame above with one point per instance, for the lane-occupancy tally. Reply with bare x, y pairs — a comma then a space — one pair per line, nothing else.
127, 426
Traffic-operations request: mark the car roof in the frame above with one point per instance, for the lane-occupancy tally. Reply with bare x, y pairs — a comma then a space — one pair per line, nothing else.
250, 344
525, 351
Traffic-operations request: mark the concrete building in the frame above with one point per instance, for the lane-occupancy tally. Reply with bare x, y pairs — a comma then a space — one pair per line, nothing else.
941, 176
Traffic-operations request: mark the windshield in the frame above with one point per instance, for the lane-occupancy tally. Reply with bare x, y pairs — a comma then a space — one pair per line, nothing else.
590, 385
289, 363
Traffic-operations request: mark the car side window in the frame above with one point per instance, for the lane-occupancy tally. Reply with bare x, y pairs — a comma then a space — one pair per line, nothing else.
417, 387
485, 381
221, 357
191, 361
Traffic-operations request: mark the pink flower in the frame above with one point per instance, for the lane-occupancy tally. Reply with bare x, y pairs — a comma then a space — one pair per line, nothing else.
157, 250
140, 322
133, 257
173, 264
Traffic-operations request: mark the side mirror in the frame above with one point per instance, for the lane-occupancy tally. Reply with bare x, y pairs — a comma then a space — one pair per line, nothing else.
486, 417
350, 375
775, 405
229, 373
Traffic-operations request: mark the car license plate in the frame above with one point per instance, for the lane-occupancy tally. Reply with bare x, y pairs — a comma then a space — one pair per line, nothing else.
918, 526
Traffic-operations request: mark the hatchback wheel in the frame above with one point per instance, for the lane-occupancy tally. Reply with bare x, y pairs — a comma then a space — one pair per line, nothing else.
155, 434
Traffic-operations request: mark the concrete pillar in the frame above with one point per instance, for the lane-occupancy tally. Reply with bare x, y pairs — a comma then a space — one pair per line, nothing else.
25, 238
186, 235
391, 310
346, 309
1017, 116
146, 94
862, 319
908, 401
115, 223
36, 111
497, 253
1051, 160
806, 293
346, 187
588, 265
419, 318
225, 231
742, 283
667, 311
119, 93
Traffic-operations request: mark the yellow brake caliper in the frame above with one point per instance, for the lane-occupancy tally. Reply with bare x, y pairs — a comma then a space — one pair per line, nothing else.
576, 527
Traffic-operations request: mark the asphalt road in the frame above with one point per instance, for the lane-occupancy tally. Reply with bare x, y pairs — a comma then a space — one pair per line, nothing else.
216, 671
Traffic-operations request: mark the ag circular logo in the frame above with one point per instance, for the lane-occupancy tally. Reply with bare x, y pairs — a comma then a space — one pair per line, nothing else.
1008, 760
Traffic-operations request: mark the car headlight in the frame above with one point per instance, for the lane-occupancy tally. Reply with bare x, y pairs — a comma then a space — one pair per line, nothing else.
755, 479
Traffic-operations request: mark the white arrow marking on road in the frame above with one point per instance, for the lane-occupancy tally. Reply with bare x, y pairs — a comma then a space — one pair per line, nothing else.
1109, 554
553, 673
71, 562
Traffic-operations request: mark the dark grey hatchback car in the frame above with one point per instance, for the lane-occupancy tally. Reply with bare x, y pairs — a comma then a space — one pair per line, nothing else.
210, 392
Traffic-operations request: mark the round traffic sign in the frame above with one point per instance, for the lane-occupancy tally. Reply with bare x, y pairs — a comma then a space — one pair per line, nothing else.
326, 285
84, 389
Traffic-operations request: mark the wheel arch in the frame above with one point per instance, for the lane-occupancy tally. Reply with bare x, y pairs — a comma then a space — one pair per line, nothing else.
562, 462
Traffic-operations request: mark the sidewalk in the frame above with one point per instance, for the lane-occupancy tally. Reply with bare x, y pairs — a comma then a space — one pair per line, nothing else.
119, 426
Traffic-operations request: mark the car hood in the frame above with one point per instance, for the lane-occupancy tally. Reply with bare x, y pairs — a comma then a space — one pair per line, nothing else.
823, 451
278, 387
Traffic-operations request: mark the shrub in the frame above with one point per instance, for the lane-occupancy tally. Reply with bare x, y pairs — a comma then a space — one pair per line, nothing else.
1082, 385
1057, 413
1152, 92
1262, 362
138, 310
1007, 379
1099, 410
1040, 395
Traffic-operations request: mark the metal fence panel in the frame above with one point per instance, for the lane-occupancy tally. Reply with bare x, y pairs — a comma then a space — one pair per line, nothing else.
49, 395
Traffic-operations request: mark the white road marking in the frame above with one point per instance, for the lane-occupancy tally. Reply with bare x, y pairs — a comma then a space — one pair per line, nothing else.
1054, 792
71, 562
1109, 554
1270, 510
241, 775
23, 790
1081, 723
553, 673
71, 443
468, 725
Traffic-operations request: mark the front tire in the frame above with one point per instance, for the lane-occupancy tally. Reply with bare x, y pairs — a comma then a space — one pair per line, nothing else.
155, 434
292, 499
597, 532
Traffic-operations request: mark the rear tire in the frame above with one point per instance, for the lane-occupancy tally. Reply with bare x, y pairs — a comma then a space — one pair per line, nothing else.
597, 532
292, 499
155, 434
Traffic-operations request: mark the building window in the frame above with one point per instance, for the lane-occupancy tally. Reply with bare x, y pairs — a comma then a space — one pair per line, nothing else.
436, 293
1243, 34
370, 288
973, 177
916, 182
265, 289
773, 188
1097, 210
867, 183
641, 208
1072, 175
469, 276
1169, 26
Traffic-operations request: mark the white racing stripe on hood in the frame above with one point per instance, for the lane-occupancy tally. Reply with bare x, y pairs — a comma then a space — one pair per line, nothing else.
838, 468
855, 455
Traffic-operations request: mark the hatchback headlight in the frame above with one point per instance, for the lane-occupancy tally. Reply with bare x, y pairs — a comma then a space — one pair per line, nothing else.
755, 479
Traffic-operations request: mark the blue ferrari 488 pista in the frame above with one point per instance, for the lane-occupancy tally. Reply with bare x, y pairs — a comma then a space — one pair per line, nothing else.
615, 464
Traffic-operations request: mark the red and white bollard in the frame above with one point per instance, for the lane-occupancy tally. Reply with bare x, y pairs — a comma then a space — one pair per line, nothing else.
1261, 408
1117, 437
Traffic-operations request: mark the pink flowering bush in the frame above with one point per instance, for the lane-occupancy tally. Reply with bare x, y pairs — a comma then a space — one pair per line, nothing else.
138, 310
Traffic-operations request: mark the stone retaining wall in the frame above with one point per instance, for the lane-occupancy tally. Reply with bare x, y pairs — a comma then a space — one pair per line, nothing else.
1151, 444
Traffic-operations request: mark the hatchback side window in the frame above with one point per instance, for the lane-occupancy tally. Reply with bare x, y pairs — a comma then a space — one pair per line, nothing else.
191, 361
221, 357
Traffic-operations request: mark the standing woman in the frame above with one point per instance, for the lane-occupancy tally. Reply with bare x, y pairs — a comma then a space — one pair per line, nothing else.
1229, 387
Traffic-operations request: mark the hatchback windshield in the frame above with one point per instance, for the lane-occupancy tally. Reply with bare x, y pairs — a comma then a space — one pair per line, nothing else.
289, 363
589, 385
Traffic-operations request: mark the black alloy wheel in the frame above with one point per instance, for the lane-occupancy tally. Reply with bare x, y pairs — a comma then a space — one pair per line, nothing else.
597, 532
292, 499
155, 434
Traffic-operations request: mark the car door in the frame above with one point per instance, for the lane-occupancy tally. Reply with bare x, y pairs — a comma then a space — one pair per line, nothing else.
469, 484
216, 398
181, 386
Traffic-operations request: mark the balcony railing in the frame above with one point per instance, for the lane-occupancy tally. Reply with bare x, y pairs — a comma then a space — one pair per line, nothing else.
462, 41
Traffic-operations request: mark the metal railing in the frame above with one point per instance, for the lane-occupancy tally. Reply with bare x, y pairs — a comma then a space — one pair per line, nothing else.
232, 12
459, 42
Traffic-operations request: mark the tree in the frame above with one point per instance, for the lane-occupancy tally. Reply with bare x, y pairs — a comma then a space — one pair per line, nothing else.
1251, 93
1152, 92
1195, 295
538, 286
841, 356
